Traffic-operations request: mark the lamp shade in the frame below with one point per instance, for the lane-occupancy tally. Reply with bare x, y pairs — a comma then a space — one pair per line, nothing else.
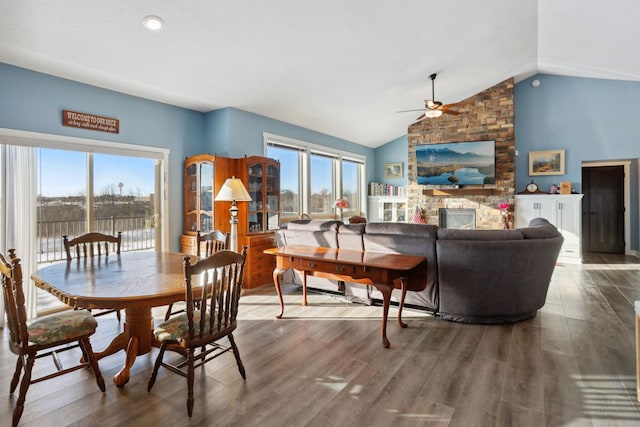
342, 203
233, 190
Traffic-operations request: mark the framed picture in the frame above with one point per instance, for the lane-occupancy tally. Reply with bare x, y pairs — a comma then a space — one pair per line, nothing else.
393, 170
550, 162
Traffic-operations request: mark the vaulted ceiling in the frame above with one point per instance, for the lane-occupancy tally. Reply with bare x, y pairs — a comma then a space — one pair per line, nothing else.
343, 68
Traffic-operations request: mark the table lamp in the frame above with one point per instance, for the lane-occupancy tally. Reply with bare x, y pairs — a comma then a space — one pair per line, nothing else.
341, 204
233, 191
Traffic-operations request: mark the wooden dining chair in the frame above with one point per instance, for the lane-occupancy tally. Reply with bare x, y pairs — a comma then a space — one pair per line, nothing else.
92, 245
43, 337
195, 334
213, 242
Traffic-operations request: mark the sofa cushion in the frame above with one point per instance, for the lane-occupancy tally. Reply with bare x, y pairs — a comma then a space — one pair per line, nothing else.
350, 236
413, 239
478, 235
539, 228
314, 225
314, 232
400, 228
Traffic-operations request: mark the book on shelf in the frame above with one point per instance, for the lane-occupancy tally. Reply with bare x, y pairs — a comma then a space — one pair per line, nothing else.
379, 189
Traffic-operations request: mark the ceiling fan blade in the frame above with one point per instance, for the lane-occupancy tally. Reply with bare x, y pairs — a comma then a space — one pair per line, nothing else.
424, 116
455, 104
411, 111
455, 113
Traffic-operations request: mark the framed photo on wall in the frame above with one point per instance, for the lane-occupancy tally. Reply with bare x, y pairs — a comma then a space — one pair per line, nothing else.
550, 162
393, 170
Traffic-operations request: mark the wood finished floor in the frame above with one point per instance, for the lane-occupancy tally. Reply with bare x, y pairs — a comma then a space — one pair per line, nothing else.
323, 365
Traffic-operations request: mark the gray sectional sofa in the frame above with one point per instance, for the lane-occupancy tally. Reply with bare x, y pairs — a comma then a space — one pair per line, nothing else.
473, 276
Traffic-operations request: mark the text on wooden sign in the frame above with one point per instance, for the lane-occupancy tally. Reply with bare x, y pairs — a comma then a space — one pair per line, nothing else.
90, 121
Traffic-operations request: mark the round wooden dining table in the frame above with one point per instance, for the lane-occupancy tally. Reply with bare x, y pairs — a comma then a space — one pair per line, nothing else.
133, 281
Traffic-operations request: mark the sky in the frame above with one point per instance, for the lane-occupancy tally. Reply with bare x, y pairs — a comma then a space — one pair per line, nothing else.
63, 173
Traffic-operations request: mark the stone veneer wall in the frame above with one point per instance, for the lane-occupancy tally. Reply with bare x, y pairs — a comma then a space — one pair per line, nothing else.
488, 115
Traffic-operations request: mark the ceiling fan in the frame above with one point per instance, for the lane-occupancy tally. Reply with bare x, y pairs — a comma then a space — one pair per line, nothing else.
435, 108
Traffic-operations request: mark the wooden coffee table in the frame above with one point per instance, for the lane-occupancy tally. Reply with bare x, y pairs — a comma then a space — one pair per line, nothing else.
385, 271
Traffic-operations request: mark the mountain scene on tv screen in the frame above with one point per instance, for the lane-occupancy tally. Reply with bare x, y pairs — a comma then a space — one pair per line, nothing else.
456, 163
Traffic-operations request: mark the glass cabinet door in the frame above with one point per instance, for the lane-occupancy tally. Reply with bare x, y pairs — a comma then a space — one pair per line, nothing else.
198, 196
263, 185
206, 197
191, 198
387, 212
255, 188
401, 209
272, 183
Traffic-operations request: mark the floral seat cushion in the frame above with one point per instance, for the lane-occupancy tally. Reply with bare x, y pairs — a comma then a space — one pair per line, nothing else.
61, 327
176, 328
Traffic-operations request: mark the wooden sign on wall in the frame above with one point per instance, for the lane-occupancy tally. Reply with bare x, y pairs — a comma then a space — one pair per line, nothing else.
90, 121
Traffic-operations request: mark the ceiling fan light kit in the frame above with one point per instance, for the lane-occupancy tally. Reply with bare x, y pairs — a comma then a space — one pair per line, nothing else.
433, 108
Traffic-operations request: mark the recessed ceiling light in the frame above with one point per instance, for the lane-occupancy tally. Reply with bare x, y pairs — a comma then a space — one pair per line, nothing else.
153, 23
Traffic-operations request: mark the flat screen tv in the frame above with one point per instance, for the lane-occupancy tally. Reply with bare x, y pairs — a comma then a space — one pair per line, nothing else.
456, 163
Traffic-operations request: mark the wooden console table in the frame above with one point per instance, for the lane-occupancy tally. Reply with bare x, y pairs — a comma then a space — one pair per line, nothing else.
383, 270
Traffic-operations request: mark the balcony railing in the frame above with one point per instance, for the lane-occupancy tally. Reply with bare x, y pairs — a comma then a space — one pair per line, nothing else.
138, 233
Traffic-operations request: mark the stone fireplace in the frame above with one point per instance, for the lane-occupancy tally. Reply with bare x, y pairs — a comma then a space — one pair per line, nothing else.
488, 115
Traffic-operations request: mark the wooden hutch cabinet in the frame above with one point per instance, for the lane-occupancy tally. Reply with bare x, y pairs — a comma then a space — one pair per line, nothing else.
259, 218
204, 174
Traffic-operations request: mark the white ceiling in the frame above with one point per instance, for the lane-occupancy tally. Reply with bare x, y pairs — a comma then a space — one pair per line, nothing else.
340, 67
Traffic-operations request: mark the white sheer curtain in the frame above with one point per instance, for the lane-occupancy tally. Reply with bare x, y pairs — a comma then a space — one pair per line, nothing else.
18, 220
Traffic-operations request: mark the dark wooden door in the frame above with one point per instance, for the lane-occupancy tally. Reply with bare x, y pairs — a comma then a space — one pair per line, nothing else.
603, 209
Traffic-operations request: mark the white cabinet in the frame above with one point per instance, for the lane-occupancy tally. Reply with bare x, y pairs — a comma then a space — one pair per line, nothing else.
387, 209
562, 210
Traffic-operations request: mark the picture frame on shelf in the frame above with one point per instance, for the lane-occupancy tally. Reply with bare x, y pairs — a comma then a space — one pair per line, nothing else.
549, 162
393, 170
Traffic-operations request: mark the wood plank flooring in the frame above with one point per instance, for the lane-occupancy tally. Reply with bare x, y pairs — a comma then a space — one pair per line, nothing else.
324, 365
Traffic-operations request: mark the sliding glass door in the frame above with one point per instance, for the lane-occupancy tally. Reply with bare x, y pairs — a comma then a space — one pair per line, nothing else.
80, 192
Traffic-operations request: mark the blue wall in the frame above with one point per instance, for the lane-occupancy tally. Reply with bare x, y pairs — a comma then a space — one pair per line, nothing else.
592, 119
244, 135
393, 152
32, 101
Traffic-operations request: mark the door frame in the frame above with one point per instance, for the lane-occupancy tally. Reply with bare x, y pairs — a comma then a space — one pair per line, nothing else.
46, 140
627, 197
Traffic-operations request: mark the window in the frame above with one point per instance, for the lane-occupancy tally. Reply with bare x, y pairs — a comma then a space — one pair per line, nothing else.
351, 181
312, 177
322, 183
290, 182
